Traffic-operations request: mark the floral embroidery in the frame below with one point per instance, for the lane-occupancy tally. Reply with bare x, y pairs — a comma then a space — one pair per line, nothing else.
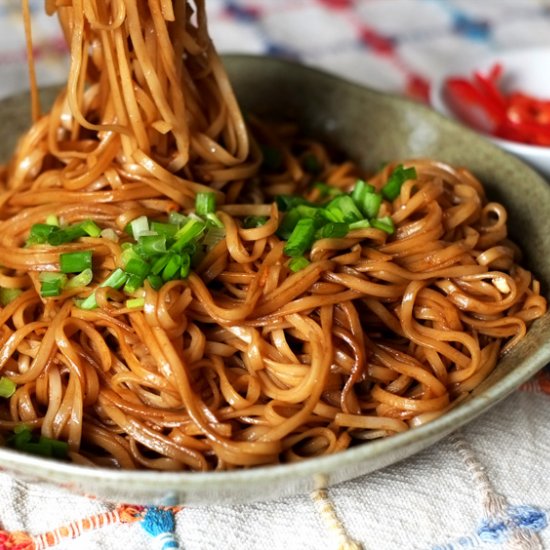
158, 521
491, 531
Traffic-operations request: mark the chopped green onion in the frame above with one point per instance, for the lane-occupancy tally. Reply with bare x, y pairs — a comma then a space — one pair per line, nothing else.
360, 188
175, 218
291, 218
52, 219
82, 279
361, 224
75, 262
286, 202
8, 295
7, 387
370, 204
133, 283
22, 434
311, 164
152, 245
52, 283
40, 232
21, 428
311, 212
172, 267
342, 209
272, 158
137, 266
188, 233
155, 281
254, 221
115, 280
166, 229
213, 236
91, 228
49, 289
135, 303
205, 203
366, 198
128, 253
66, 235
332, 230
160, 264
60, 449
301, 239
385, 224
24, 440
297, 264
326, 190
139, 226
185, 266
214, 220
398, 177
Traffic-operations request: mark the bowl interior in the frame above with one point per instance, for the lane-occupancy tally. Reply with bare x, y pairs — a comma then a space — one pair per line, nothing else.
370, 127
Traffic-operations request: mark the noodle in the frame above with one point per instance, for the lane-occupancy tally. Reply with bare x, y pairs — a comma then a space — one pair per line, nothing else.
244, 361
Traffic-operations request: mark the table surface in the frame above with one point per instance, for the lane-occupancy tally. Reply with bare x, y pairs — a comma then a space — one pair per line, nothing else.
486, 486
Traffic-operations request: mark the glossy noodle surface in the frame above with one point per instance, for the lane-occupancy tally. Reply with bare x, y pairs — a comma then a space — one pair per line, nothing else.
250, 357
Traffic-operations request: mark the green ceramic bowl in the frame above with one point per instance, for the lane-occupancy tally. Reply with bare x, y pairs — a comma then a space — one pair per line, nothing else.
370, 127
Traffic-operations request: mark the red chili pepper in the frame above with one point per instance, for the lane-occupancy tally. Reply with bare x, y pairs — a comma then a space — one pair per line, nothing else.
488, 85
473, 106
480, 103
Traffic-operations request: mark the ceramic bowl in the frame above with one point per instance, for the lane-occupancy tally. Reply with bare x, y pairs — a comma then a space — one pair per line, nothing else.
524, 70
370, 127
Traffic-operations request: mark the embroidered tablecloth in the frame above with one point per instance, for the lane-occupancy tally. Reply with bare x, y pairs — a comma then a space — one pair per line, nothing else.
487, 486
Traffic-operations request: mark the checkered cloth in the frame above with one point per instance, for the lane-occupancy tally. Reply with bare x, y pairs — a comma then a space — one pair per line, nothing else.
484, 487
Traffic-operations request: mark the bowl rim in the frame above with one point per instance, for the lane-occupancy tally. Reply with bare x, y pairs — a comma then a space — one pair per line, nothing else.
466, 66
168, 482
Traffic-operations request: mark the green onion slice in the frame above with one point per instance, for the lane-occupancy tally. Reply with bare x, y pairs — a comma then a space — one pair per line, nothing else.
155, 281
40, 232
7, 387
8, 295
82, 279
115, 280
52, 283
205, 203
91, 228
385, 224
332, 230
75, 262
135, 303
66, 235
151, 245
139, 226
301, 239
166, 229
251, 222
298, 263
342, 209
326, 190
361, 224
188, 233
398, 177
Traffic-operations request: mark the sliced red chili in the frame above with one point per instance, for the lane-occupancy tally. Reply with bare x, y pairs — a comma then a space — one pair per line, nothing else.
472, 106
480, 103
